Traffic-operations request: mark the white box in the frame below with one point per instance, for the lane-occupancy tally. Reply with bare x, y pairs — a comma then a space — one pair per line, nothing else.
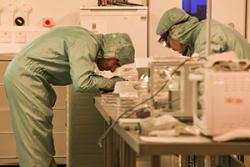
223, 109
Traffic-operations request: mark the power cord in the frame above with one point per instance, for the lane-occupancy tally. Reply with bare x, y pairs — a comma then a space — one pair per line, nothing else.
102, 137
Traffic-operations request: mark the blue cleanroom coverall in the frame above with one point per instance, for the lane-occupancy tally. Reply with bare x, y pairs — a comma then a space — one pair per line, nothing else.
60, 57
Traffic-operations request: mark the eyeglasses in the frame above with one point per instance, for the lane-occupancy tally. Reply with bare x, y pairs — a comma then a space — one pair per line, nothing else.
165, 41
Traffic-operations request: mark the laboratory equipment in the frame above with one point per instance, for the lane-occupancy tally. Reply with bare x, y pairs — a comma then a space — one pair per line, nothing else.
164, 122
123, 99
142, 89
165, 126
221, 98
119, 3
175, 98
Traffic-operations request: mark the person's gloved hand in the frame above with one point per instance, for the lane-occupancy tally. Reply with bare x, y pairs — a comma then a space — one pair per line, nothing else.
117, 79
114, 80
106, 90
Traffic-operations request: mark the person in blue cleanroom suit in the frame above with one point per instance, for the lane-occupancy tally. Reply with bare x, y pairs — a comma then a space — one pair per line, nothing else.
186, 35
60, 57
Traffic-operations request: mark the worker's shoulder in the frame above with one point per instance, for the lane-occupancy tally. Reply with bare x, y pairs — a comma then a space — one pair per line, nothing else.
69, 30
69, 34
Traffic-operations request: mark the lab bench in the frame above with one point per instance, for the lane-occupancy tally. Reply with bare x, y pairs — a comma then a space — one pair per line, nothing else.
122, 146
8, 154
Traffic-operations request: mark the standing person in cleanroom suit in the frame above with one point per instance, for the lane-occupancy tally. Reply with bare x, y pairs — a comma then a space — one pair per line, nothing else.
187, 35
60, 57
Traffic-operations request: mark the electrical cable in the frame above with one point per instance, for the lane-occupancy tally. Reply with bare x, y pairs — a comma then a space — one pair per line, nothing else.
144, 101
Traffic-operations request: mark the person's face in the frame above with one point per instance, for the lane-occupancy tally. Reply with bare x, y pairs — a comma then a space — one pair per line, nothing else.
108, 64
175, 45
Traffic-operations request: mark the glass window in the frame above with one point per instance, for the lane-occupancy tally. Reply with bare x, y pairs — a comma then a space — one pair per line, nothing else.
195, 8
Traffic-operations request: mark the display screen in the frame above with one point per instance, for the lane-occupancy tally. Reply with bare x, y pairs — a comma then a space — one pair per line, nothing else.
195, 8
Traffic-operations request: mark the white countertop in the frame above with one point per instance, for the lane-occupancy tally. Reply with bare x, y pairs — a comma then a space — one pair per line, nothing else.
7, 56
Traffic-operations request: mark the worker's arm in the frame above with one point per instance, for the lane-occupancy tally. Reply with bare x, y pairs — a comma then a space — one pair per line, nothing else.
218, 44
82, 65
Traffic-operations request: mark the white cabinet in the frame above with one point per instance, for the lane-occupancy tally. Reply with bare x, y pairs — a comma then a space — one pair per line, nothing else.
131, 20
85, 126
7, 141
59, 124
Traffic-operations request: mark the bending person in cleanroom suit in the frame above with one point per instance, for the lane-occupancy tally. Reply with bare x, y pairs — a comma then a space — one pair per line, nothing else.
187, 35
60, 57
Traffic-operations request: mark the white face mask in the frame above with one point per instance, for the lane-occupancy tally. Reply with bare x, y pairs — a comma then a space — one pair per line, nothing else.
164, 43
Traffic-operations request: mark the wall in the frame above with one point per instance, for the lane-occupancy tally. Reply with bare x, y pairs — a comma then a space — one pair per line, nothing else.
64, 12
232, 15
248, 21
157, 8
67, 13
